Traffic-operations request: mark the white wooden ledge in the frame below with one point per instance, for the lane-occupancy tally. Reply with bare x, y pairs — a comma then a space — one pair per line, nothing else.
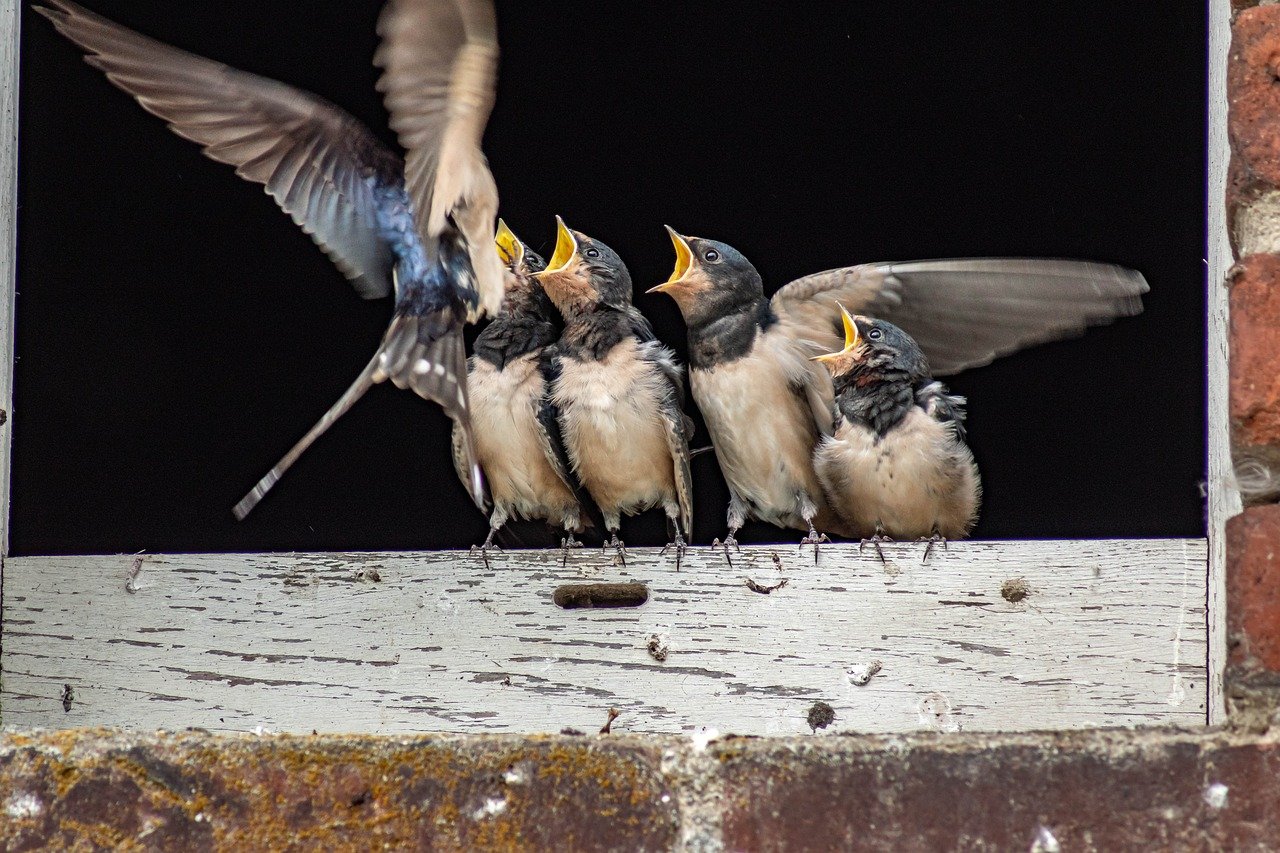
1098, 633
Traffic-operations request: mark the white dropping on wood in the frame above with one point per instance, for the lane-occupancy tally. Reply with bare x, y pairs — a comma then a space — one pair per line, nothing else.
438, 642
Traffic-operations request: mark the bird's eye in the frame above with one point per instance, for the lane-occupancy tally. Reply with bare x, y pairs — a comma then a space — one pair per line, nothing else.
712, 256
592, 253
875, 334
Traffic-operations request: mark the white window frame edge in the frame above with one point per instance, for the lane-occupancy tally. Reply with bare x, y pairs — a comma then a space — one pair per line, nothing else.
1223, 500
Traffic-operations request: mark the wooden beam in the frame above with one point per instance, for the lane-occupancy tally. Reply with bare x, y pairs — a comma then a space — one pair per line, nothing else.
1224, 500
9, 38
985, 636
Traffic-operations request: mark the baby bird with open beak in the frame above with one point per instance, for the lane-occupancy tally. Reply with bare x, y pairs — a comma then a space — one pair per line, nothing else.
896, 466
517, 438
766, 404
618, 391
751, 376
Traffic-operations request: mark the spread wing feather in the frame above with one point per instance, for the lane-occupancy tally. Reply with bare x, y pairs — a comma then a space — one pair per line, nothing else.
440, 62
963, 313
319, 164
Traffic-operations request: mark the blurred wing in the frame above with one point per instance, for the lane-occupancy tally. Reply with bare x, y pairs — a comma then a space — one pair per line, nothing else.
964, 313
440, 59
320, 164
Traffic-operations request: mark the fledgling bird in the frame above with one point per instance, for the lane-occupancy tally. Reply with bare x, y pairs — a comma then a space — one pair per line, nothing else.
618, 391
749, 356
517, 436
896, 465
421, 226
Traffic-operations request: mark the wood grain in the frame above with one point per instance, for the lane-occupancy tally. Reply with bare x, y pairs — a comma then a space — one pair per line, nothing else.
9, 37
985, 636
1223, 499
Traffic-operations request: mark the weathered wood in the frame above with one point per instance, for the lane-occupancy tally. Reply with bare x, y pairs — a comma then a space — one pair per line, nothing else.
985, 636
1224, 500
9, 33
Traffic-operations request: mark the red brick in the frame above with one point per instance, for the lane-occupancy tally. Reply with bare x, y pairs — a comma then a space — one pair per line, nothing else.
1096, 791
1255, 352
1253, 98
1253, 588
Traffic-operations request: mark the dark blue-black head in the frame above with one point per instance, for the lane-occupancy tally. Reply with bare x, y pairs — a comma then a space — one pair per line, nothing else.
583, 272
710, 280
875, 351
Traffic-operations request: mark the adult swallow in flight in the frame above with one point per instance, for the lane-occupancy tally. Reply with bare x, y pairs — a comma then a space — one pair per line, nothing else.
421, 226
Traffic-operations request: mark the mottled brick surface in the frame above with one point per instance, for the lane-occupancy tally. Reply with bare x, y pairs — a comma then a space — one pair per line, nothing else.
1253, 588
1101, 790
1255, 352
196, 792
1253, 100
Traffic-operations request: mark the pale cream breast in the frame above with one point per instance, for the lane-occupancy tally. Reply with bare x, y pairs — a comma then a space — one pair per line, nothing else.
504, 407
613, 429
913, 479
762, 428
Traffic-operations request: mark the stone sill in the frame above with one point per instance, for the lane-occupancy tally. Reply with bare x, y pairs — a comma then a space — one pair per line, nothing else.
1103, 789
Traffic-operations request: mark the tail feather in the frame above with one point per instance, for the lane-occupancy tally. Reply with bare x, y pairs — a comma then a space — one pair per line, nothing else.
423, 353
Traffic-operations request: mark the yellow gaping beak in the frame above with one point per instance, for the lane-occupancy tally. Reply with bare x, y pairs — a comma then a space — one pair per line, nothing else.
566, 249
510, 249
851, 338
684, 259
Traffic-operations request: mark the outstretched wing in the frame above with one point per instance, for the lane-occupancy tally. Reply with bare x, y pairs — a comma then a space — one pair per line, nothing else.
440, 59
320, 164
963, 313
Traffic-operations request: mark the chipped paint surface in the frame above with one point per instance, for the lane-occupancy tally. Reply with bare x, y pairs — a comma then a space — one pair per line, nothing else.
1103, 790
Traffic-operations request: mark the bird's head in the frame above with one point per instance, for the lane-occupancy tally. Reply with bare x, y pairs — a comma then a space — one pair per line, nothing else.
583, 272
710, 279
875, 350
520, 264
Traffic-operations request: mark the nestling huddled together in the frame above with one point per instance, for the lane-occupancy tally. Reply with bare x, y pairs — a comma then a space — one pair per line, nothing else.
821, 401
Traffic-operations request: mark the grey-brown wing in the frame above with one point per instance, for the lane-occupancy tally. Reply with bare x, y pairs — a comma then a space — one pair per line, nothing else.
440, 62
548, 422
462, 463
320, 164
676, 429
966, 312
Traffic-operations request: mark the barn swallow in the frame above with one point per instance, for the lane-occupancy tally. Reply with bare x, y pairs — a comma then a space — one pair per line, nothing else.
896, 465
421, 226
756, 389
749, 367
516, 432
618, 391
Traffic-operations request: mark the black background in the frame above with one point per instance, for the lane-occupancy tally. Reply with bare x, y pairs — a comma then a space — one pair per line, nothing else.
176, 333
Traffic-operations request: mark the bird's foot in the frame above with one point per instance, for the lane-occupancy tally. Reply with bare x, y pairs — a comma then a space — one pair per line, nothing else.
566, 544
679, 544
619, 548
878, 537
727, 543
487, 547
815, 539
933, 539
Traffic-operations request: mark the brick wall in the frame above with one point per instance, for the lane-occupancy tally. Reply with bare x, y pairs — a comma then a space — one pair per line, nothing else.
1253, 216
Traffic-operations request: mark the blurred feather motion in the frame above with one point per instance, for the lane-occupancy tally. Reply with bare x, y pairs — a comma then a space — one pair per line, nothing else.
420, 227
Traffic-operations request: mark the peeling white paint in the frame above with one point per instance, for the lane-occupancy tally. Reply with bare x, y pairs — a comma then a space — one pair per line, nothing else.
23, 805
492, 807
702, 737
1045, 841
860, 675
1215, 796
